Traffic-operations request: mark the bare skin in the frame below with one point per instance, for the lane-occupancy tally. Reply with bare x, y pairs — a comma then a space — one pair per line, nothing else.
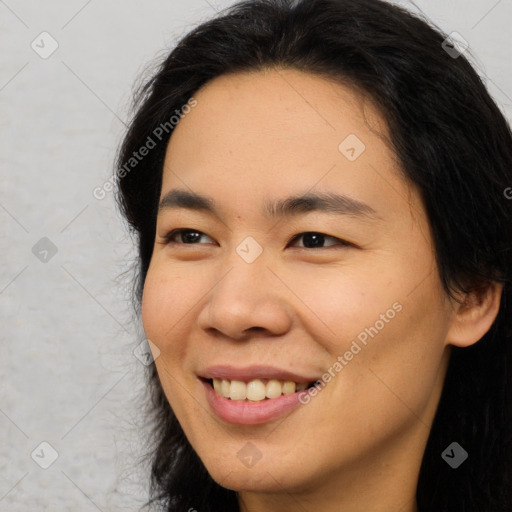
357, 445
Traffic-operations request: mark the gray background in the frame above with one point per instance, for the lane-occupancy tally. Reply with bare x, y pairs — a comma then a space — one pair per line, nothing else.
68, 374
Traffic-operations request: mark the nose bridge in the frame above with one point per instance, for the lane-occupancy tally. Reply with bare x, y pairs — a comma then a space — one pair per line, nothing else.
247, 296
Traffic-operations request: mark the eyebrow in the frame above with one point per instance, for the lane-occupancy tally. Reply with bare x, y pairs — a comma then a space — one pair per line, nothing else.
290, 206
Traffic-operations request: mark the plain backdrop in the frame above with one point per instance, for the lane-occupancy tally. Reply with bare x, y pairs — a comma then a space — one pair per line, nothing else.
69, 377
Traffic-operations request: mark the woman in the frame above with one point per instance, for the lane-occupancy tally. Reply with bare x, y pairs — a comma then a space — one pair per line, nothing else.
318, 191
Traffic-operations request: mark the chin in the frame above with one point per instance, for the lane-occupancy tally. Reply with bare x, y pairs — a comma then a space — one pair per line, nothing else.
262, 477
248, 480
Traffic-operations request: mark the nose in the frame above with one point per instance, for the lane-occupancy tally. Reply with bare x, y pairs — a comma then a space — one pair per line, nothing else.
248, 299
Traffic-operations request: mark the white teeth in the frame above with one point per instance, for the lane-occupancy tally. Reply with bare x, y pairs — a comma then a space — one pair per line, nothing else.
238, 390
288, 388
273, 389
256, 390
224, 388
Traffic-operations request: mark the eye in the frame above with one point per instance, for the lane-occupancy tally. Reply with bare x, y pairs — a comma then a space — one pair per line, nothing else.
314, 240
186, 236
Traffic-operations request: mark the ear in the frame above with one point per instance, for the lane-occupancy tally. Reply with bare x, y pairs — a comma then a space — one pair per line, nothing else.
474, 314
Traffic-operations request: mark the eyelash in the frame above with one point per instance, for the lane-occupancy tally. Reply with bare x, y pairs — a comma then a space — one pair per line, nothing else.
169, 236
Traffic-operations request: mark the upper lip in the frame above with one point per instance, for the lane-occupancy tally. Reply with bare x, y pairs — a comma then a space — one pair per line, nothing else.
248, 373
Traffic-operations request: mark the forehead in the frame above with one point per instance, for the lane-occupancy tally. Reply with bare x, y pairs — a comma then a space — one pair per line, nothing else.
261, 133
271, 100
278, 106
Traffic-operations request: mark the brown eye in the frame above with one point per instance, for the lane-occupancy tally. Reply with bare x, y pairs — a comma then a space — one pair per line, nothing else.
314, 240
184, 236
311, 239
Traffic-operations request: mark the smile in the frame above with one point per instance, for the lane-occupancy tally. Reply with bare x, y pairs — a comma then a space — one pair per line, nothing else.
254, 394
256, 390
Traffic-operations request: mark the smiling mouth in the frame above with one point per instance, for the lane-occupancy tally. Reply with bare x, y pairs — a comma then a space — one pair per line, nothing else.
256, 390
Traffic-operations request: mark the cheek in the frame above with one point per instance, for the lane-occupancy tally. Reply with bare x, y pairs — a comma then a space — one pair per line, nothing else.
378, 320
337, 304
154, 303
400, 362
165, 302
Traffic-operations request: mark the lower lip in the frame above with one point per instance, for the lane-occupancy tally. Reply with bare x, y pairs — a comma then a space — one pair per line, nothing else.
243, 412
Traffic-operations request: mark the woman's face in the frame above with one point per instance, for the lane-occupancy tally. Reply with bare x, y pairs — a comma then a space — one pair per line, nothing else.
356, 303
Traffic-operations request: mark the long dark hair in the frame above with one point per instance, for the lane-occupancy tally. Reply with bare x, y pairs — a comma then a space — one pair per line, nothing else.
453, 143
